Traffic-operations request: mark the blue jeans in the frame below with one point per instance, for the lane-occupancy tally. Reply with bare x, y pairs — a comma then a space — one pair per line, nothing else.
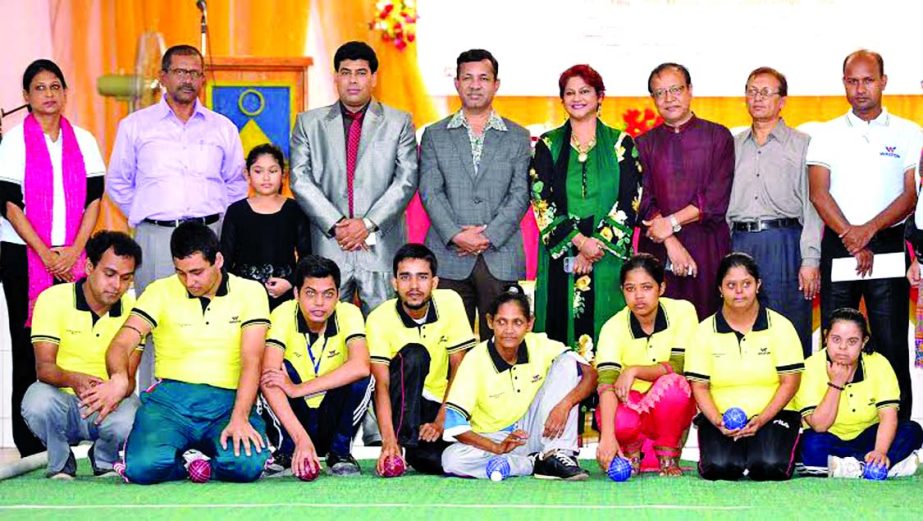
54, 417
816, 446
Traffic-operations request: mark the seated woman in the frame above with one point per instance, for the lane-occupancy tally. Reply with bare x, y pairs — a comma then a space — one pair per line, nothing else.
642, 394
849, 399
745, 356
515, 397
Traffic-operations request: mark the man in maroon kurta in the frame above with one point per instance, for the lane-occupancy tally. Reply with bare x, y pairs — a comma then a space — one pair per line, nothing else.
688, 168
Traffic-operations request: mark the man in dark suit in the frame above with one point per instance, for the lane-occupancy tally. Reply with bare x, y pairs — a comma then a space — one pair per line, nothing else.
474, 186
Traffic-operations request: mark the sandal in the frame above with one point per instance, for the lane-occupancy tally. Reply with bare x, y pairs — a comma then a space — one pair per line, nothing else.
669, 466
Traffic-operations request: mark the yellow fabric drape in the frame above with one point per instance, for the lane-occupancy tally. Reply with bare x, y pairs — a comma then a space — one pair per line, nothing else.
94, 37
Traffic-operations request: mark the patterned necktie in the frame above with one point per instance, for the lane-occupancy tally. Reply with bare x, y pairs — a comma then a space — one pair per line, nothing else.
352, 153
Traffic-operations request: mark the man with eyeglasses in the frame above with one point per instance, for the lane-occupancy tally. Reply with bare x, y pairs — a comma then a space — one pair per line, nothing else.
172, 162
770, 212
688, 168
861, 172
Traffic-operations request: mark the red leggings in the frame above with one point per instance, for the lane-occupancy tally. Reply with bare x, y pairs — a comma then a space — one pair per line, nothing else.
662, 415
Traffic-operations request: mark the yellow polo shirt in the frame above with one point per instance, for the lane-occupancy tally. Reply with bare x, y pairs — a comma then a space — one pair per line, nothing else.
63, 317
873, 387
197, 340
310, 354
743, 370
623, 343
492, 395
444, 330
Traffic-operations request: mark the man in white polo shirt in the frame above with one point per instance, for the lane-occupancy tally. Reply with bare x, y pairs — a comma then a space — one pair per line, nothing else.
861, 169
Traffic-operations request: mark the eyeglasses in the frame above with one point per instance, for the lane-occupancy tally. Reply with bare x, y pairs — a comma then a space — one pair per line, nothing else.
764, 92
186, 73
675, 90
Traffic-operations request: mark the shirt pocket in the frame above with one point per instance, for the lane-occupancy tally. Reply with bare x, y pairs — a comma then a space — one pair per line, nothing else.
206, 157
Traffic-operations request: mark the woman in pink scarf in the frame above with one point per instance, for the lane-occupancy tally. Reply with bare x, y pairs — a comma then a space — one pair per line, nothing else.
51, 180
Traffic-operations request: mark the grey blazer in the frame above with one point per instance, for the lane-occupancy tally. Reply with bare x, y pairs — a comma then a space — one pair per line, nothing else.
498, 196
386, 178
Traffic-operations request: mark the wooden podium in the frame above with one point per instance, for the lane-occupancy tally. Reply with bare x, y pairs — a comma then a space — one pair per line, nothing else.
261, 96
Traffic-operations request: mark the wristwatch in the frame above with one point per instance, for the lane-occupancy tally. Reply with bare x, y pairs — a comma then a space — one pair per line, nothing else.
676, 225
369, 225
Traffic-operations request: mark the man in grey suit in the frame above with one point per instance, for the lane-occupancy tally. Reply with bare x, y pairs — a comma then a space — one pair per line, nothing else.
354, 170
474, 186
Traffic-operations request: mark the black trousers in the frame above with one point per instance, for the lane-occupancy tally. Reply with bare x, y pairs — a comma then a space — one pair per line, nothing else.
477, 292
887, 302
768, 455
410, 410
14, 274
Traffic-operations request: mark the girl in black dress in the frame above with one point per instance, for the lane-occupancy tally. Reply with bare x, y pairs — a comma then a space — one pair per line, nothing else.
262, 234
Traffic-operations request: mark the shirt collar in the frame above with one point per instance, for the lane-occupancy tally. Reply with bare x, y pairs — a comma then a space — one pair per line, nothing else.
80, 301
859, 375
494, 121
660, 324
501, 365
684, 127
346, 112
166, 110
883, 120
780, 132
761, 324
330, 330
431, 314
222, 288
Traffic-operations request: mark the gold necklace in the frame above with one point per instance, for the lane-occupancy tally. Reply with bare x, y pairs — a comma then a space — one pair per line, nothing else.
582, 150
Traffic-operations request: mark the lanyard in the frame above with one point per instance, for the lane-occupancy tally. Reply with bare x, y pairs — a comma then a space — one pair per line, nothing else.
315, 362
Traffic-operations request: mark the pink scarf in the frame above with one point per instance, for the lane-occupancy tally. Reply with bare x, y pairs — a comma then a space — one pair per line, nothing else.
38, 188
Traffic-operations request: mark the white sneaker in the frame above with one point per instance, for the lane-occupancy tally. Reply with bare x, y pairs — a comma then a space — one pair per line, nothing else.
843, 467
62, 476
906, 467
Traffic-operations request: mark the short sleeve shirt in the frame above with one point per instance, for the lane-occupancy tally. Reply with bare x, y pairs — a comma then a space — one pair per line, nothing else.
743, 370
445, 330
310, 354
873, 387
63, 317
196, 339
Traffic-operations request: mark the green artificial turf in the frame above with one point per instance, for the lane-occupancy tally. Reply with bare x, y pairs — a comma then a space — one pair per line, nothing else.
426, 497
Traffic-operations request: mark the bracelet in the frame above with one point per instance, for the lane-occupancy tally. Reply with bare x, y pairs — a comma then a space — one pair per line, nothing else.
835, 386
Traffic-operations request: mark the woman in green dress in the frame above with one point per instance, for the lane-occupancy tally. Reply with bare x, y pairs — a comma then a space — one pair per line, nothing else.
586, 189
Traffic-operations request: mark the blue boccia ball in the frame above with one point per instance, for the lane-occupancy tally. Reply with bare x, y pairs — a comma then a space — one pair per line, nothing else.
498, 468
619, 469
875, 472
734, 418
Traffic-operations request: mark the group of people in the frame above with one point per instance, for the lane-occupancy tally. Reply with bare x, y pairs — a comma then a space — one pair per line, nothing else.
265, 327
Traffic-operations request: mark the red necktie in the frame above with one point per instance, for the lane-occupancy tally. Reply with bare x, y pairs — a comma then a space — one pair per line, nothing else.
352, 153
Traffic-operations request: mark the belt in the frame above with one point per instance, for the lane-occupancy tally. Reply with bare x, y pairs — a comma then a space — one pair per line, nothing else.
758, 226
208, 219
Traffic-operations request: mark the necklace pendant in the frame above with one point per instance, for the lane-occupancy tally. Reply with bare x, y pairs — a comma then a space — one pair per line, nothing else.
582, 157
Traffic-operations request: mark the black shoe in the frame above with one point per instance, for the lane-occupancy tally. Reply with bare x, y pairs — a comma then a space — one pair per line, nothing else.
342, 465
276, 465
68, 473
559, 465
98, 472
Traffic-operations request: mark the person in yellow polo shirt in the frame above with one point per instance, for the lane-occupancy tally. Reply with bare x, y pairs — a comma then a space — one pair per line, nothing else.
417, 342
849, 398
316, 373
642, 393
749, 357
209, 330
515, 398
72, 326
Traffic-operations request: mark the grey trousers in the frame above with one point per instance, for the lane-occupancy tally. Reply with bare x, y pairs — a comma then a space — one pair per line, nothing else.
372, 287
468, 461
157, 263
54, 417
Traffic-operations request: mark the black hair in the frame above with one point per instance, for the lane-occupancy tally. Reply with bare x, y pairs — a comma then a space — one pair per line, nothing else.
413, 250
866, 52
476, 55
179, 50
663, 67
511, 293
38, 66
316, 267
266, 149
737, 259
643, 261
769, 71
856, 317
121, 243
192, 237
355, 51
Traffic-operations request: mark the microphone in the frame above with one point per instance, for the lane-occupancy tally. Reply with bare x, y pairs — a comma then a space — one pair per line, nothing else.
202, 5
